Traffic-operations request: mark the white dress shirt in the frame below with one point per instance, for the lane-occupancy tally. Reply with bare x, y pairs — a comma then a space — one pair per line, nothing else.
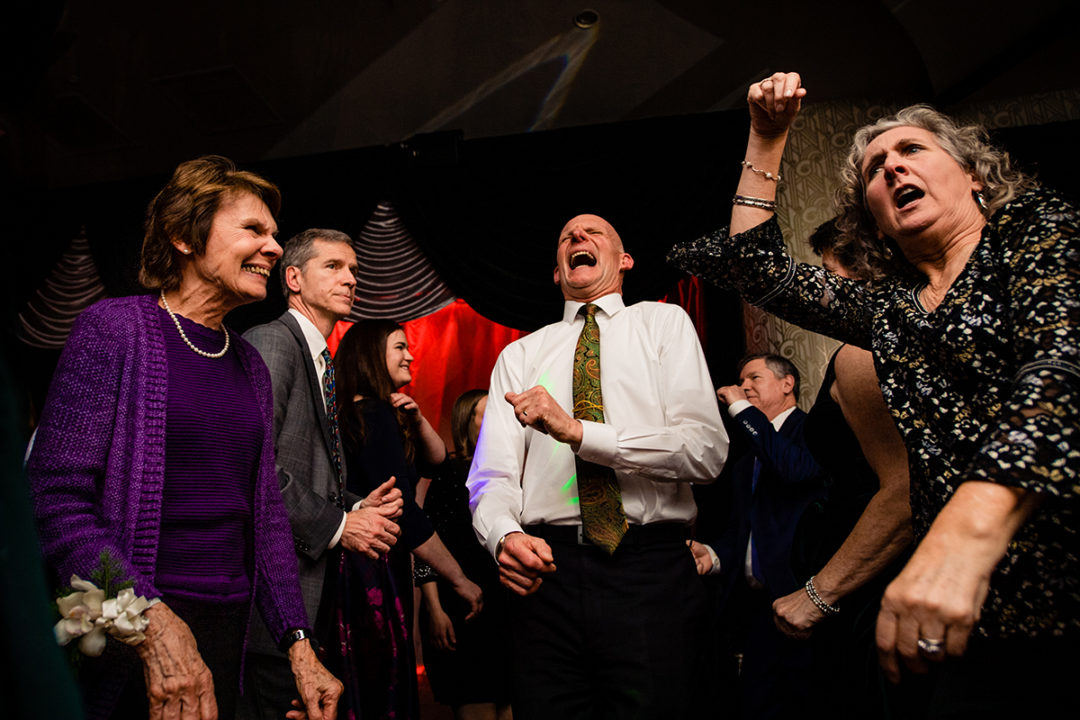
316, 343
662, 426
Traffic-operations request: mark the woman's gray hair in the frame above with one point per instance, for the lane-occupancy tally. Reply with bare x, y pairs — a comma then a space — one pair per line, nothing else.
968, 145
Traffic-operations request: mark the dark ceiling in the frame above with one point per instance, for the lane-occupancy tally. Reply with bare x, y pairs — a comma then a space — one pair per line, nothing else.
112, 89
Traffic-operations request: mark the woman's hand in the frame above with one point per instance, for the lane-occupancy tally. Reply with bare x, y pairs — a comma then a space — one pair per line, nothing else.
404, 402
319, 690
178, 683
471, 593
387, 498
796, 614
442, 629
929, 610
774, 102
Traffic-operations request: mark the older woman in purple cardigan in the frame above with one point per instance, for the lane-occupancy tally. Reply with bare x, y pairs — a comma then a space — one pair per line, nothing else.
155, 448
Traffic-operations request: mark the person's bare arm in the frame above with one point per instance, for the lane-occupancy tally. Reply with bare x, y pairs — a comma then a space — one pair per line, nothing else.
774, 102
884, 528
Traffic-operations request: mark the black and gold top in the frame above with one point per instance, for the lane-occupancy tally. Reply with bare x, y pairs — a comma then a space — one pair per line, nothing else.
986, 386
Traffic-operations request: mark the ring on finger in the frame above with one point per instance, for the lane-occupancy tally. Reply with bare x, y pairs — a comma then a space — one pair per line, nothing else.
931, 648
524, 413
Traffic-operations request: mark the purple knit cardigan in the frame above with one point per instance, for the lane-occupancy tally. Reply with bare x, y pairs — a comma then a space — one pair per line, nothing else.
97, 466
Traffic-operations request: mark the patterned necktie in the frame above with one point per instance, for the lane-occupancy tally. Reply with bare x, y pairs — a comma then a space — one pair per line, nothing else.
603, 519
330, 393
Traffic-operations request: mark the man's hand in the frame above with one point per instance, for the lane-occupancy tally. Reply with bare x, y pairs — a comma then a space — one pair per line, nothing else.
471, 593
522, 560
319, 690
730, 393
536, 408
370, 530
178, 683
702, 559
796, 614
385, 494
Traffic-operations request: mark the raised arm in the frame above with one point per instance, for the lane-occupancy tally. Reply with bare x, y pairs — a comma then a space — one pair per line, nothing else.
774, 102
884, 528
749, 256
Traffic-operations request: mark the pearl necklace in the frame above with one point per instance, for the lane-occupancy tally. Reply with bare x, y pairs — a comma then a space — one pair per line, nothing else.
184, 337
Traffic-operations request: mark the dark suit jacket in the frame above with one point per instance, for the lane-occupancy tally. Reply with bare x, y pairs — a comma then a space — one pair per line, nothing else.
789, 480
305, 467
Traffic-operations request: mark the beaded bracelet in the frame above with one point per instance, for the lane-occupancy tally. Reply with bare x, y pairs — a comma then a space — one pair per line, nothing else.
816, 599
754, 202
763, 173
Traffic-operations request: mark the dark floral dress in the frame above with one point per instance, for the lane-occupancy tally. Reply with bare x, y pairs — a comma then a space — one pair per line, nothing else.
375, 657
984, 387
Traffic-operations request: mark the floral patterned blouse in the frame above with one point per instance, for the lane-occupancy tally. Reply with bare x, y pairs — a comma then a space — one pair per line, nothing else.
986, 386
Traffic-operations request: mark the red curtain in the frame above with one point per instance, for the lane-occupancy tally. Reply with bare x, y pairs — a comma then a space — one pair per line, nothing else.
456, 348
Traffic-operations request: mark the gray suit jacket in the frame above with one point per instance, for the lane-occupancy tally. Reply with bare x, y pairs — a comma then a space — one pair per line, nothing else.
305, 466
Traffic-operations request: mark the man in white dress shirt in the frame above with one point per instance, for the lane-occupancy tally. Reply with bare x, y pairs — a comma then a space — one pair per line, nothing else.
612, 628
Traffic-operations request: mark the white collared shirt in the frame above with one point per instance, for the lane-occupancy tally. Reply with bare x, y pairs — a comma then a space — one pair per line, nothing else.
662, 426
316, 343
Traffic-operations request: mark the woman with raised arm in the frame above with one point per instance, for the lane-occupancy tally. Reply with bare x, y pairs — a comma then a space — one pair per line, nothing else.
974, 324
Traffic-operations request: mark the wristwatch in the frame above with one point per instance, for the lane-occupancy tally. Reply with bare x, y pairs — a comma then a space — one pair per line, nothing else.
292, 637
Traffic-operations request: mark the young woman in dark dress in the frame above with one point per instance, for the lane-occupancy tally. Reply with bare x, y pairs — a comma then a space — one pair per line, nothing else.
384, 434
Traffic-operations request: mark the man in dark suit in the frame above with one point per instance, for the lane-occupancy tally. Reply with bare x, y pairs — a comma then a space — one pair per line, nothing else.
318, 274
773, 484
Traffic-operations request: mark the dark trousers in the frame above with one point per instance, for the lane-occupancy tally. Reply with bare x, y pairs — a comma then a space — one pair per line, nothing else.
775, 671
219, 634
269, 687
610, 636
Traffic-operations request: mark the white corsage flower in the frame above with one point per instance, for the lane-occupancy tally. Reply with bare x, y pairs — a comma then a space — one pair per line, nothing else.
86, 614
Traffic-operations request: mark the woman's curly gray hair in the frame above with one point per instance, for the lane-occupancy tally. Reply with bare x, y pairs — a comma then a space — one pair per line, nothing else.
968, 145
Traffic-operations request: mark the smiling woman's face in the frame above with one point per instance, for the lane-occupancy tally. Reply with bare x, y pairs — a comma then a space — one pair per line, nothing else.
398, 359
240, 252
914, 188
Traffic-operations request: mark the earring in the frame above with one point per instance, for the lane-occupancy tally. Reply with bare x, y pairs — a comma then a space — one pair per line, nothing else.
186, 251
980, 201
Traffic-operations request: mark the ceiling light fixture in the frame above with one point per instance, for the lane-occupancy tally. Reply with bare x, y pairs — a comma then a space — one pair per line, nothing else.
586, 19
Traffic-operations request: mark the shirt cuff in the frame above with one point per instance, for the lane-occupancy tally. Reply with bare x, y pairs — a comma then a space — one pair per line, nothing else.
337, 536
599, 442
737, 407
500, 529
715, 569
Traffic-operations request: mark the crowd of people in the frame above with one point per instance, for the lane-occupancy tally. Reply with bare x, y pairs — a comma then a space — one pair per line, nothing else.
907, 548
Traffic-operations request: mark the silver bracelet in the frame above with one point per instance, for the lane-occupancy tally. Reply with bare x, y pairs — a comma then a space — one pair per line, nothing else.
816, 599
760, 203
763, 173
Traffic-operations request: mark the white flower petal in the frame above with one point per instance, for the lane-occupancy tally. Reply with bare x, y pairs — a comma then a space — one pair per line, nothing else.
93, 644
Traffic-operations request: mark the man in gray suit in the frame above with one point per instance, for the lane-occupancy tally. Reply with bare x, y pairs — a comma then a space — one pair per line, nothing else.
318, 274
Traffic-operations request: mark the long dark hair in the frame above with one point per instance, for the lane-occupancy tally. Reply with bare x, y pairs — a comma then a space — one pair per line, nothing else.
360, 369
461, 421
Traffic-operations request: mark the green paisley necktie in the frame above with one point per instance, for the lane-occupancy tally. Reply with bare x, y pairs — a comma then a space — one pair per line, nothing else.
603, 519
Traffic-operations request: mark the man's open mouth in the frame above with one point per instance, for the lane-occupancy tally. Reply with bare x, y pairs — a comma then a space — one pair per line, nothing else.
582, 257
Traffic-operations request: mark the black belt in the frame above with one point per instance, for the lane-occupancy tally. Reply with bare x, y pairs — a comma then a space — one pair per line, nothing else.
636, 535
